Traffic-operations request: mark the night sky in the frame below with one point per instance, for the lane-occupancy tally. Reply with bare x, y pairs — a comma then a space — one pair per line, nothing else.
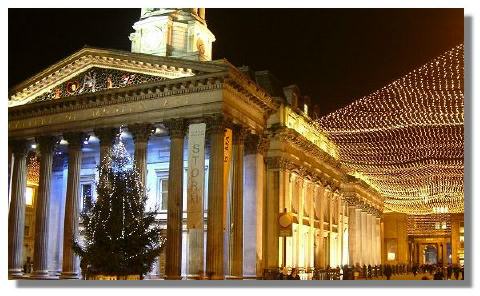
334, 55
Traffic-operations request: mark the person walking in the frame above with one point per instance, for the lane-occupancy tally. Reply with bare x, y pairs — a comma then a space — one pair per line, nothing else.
388, 271
294, 275
449, 271
456, 272
438, 274
415, 270
283, 274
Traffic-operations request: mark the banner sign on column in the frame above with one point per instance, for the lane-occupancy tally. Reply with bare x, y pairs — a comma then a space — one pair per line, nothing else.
227, 157
196, 175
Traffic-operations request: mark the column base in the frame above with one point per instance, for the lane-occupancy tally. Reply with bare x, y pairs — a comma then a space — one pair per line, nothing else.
173, 277
42, 275
15, 274
233, 277
216, 277
69, 276
195, 277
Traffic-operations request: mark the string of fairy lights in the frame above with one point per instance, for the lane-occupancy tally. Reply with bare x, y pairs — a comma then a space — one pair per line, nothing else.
406, 139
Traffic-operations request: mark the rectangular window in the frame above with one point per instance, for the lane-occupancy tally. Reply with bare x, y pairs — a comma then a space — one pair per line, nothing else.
29, 196
87, 197
162, 192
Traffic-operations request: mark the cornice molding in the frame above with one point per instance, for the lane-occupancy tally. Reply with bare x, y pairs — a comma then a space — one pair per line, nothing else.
147, 91
300, 142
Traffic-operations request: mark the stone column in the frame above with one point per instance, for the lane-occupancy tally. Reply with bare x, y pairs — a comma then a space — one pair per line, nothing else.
382, 242
311, 248
352, 234
71, 268
16, 215
364, 259
275, 188
236, 243
329, 204
374, 242
10, 171
369, 239
331, 260
378, 249
253, 189
40, 260
176, 129
339, 230
319, 263
107, 138
141, 133
455, 240
301, 243
444, 252
358, 235
216, 200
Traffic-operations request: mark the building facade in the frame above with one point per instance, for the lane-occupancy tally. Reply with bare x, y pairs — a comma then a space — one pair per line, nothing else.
245, 182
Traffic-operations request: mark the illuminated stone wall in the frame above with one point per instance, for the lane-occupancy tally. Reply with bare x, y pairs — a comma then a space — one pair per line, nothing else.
395, 238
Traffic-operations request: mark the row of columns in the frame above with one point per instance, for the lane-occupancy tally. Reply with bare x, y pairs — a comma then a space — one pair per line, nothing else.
46, 146
330, 247
364, 236
216, 223
141, 132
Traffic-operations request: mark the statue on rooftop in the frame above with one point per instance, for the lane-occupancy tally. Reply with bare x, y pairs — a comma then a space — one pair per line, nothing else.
148, 12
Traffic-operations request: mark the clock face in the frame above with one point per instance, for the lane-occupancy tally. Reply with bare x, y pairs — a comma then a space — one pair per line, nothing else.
285, 220
152, 39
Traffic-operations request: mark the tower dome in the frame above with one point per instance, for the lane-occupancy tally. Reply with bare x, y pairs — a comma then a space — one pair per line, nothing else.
173, 32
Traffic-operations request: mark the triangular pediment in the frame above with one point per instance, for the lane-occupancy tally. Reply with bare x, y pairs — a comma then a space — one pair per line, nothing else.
92, 70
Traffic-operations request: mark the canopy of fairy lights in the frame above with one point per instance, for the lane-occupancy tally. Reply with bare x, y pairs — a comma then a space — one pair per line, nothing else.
406, 139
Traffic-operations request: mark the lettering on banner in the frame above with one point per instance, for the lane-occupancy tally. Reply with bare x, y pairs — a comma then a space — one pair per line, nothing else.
227, 157
196, 175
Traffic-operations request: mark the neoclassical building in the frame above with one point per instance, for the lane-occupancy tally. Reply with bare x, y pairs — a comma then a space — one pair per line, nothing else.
245, 182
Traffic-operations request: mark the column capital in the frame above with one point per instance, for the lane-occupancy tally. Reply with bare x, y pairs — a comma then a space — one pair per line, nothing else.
351, 201
46, 143
19, 147
278, 162
255, 143
217, 124
176, 127
239, 134
335, 195
106, 135
141, 131
75, 140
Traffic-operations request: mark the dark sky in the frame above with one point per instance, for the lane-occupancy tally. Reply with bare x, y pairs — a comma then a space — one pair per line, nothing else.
334, 55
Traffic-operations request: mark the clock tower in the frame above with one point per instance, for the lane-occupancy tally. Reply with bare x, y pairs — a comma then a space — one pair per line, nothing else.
173, 32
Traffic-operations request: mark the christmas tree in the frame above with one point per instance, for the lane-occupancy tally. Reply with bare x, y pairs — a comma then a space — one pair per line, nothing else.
121, 238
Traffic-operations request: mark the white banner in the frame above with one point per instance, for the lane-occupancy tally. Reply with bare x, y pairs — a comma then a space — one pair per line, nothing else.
195, 192
196, 175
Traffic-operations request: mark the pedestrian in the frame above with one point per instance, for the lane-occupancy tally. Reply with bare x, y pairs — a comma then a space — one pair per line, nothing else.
414, 270
456, 272
449, 271
356, 271
388, 271
462, 271
438, 274
294, 275
283, 274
